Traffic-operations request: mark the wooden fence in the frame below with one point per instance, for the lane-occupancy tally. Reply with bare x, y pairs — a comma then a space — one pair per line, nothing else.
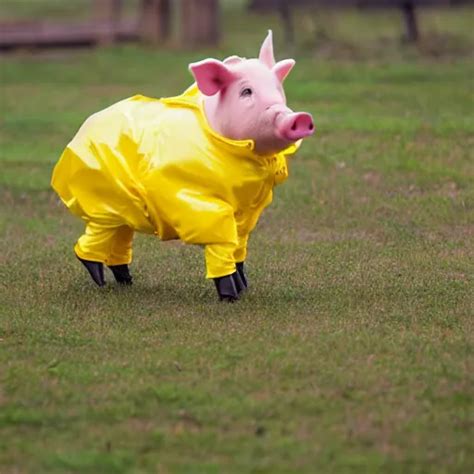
198, 25
408, 8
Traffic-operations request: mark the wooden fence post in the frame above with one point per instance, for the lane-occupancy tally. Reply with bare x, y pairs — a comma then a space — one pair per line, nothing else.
200, 22
107, 13
411, 24
155, 19
286, 17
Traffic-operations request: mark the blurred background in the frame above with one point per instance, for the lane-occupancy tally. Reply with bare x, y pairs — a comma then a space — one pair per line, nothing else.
341, 26
351, 351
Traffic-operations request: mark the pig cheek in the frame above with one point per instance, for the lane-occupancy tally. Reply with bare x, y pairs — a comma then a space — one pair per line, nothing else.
228, 117
262, 131
268, 125
244, 119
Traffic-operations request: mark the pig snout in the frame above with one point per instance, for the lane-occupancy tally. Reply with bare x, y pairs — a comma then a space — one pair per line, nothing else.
295, 125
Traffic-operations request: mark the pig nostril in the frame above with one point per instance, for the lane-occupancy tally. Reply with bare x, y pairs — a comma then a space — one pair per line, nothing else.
293, 127
311, 126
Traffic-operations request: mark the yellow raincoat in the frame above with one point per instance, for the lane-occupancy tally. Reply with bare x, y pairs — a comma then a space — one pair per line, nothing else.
156, 166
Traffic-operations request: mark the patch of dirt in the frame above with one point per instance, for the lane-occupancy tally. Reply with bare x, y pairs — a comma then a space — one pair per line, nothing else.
372, 178
449, 189
140, 425
187, 423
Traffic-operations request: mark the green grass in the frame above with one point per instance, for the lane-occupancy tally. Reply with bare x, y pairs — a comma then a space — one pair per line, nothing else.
353, 350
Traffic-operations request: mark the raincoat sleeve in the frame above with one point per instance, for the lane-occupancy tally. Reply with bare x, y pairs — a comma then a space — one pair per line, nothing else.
246, 222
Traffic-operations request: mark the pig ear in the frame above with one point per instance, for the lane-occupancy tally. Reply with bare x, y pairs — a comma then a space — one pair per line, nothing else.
283, 68
266, 51
233, 60
211, 75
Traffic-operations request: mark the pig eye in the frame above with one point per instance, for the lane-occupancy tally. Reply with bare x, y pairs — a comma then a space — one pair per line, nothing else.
247, 92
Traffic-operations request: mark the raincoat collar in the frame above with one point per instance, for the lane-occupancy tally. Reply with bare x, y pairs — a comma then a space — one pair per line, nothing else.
192, 98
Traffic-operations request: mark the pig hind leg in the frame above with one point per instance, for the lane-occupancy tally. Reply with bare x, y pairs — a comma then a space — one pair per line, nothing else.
121, 274
110, 245
95, 269
121, 255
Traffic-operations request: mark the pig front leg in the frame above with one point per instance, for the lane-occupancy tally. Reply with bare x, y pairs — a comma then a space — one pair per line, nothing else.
220, 261
242, 274
121, 274
229, 287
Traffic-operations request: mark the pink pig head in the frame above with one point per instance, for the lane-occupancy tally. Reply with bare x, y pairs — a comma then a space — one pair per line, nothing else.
244, 99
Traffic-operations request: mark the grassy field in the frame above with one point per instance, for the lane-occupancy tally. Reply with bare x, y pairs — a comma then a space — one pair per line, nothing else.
353, 350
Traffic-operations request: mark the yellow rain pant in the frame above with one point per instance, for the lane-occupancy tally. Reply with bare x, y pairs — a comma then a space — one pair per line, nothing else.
156, 166
110, 245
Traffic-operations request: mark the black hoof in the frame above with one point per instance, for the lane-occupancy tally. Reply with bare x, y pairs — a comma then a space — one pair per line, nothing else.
226, 288
95, 269
121, 274
241, 272
239, 284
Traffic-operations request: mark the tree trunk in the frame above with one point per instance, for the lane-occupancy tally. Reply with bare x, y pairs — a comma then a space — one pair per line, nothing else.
199, 22
155, 19
411, 23
107, 14
286, 17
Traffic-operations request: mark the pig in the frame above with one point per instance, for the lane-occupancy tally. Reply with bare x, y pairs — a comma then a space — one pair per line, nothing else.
199, 167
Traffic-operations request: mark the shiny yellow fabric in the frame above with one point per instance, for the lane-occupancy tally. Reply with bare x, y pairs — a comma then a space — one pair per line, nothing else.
156, 166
